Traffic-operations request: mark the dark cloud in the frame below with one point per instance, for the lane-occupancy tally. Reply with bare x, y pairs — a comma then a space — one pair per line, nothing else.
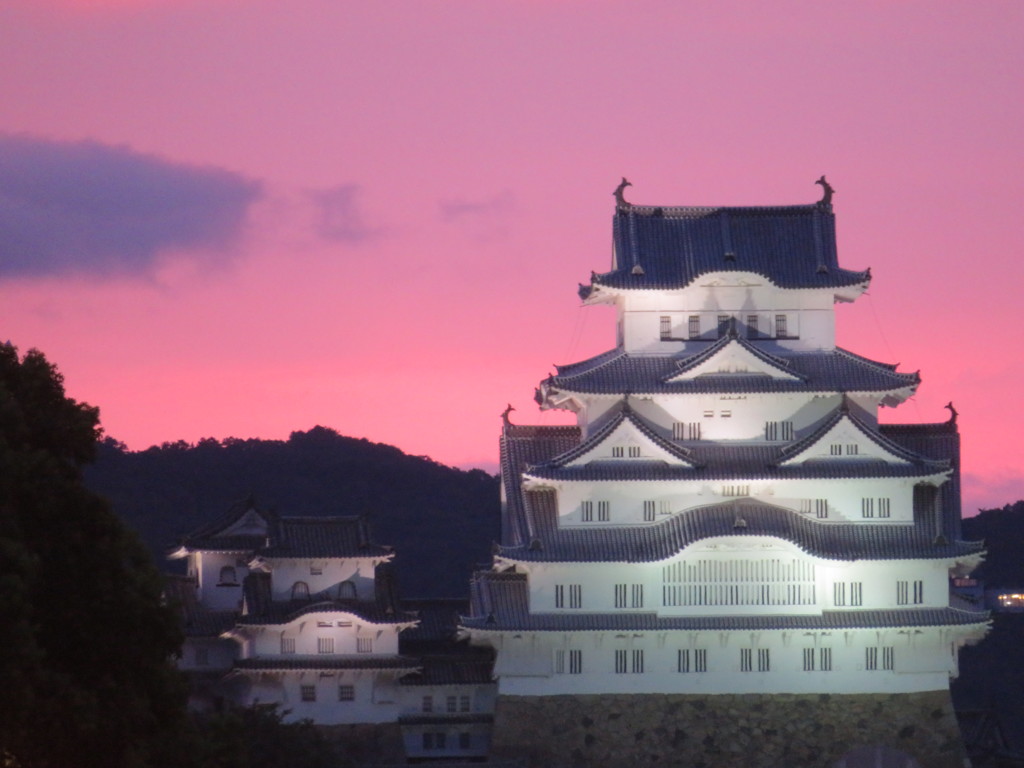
338, 216
93, 208
495, 205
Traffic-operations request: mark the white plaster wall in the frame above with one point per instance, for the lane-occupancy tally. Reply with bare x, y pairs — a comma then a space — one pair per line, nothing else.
307, 629
334, 571
923, 661
376, 695
212, 593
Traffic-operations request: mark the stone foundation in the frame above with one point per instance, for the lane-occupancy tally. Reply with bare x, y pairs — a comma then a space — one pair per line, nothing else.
745, 731
366, 744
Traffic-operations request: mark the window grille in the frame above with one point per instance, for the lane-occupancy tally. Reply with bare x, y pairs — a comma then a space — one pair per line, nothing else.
575, 595
307, 692
781, 330
764, 660
884, 508
638, 596
617, 452
620, 662
346, 693
856, 593
746, 659
839, 593
918, 592
603, 511
648, 511
575, 662
634, 451
763, 582
364, 645
825, 659
287, 645
852, 449
638, 661
428, 704
867, 507
751, 326
693, 326
666, 327
836, 449
325, 645
808, 659
683, 660
620, 595
723, 325
821, 508
451, 704
587, 511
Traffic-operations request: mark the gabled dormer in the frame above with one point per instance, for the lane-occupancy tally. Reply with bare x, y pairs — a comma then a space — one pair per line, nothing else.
844, 437
626, 438
733, 356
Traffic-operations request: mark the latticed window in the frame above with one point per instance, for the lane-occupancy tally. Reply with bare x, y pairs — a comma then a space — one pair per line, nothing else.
781, 326
666, 327
692, 660
364, 645
770, 581
287, 645
751, 326
587, 511
325, 645
693, 326
649, 511
307, 692
346, 693
604, 511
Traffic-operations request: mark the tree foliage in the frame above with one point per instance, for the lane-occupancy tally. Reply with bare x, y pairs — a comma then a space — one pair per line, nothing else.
86, 677
258, 737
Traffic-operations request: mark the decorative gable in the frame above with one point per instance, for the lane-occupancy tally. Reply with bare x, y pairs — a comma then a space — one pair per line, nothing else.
845, 440
251, 523
731, 359
627, 439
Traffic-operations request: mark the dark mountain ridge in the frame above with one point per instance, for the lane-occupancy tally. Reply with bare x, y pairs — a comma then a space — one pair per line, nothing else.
440, 520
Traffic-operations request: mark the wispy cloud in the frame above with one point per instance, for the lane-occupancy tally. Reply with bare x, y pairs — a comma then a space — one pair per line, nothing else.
86, 207
489, 207
338, 215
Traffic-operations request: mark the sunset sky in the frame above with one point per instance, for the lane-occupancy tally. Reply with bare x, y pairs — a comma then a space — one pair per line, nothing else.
248, 217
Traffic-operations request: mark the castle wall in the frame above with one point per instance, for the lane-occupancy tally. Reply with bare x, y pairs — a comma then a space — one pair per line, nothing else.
724, 731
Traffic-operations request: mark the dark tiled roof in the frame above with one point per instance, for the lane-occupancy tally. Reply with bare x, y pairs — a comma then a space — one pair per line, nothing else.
438, 619
660, 541
500, 603
658, 248
327, 662
471, 669
322, 537
285, 537
521, 446
834, 371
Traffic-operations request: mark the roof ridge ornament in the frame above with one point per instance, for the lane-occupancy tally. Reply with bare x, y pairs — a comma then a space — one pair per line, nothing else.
827, 192
504, 415
952, 412
620, 199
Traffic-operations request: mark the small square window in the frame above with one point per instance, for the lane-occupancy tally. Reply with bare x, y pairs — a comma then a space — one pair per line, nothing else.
308, 692
346, 693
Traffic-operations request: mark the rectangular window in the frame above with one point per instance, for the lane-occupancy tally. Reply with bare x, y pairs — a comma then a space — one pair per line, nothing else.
700, 660
888, 657
638, 596
821, 508
464, 740
325, 645
587, 511
808, 659
666, 327
307, 692
364, 645
452, 704
918, 592
287, 645
316, 570
746, 659
620, 662
825, 659
665, 507
883, 508
559, 662
751, 326
428, 704
617, 452
856, 593
346, 693
839, 593
603, 511
575, 595
683, 660
805, 505
575, 663
649, 511
464, 703
902, 592
638, 661
559, 596
723, 325
735, 490
867, 507
870, 658
620, 595
693, 326
771, 430
726, 414
763, 660
434, 740
852, 449
836, 449
709, 414
634, 451
781, 331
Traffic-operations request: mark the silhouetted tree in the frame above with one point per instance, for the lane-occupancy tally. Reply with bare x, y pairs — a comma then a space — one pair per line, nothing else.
86, 677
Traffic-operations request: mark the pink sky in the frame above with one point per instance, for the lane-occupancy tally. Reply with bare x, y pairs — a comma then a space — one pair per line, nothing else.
380, 210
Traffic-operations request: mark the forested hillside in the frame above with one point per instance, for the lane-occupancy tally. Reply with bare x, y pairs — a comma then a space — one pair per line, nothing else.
440, 520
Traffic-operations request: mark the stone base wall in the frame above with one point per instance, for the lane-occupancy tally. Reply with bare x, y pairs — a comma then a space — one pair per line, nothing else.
367, 744
745, 731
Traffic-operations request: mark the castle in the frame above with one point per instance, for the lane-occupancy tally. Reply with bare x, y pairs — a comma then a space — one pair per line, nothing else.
727, 561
